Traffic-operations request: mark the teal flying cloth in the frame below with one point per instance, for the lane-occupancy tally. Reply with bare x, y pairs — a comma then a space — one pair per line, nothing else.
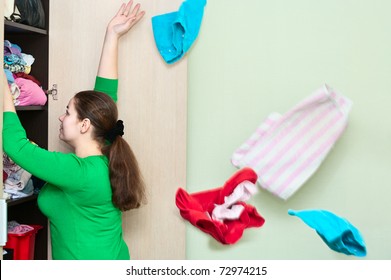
175, 32
336, 232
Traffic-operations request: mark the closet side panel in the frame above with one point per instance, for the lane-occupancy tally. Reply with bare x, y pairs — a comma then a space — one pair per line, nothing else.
152, 103
1, 82
1, 99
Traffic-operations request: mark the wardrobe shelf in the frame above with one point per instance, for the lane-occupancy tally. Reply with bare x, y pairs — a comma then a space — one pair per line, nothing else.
16, 27
31, 108
13, 202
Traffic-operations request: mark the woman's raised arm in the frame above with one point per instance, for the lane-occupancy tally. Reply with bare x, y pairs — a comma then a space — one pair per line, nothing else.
119, 25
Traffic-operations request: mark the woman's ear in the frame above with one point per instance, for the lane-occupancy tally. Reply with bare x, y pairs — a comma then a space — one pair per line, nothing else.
85, 125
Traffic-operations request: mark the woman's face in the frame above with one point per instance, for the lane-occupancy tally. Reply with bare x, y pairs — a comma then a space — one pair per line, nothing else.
70, 124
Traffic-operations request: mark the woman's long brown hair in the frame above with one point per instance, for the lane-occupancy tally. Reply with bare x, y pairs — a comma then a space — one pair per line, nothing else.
126, 180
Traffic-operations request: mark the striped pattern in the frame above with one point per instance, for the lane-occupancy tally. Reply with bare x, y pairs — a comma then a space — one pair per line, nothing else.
286, 150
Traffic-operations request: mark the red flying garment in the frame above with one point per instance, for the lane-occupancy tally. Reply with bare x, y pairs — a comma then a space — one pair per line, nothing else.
197, 208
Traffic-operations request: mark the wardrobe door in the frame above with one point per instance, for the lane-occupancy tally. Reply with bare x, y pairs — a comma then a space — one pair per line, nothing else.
152, 103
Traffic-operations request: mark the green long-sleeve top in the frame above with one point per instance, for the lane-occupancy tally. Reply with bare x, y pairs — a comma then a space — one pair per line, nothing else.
84, 223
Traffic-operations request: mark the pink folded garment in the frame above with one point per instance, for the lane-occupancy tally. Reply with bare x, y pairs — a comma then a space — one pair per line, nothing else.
197, 208
30, 93
16, 228
286, 150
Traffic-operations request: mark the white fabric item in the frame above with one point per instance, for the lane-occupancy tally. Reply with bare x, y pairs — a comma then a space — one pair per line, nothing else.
229, 211
28, 58
8, 8
26, 191
287, 149
17, 180
15, 92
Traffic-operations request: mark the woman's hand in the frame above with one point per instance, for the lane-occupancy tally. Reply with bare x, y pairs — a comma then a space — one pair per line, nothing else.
125, 19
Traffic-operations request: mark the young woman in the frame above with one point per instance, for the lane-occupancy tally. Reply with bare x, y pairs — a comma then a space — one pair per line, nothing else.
87, 190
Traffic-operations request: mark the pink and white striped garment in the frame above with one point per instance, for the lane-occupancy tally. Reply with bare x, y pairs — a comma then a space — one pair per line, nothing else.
286, 150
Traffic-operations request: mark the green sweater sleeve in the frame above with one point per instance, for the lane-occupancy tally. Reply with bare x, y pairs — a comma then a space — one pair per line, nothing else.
60, 169
108, 86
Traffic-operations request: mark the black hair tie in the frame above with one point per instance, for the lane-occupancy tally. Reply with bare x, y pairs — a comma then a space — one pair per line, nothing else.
117, 130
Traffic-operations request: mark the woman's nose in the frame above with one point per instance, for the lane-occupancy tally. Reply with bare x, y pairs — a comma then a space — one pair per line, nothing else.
61, 118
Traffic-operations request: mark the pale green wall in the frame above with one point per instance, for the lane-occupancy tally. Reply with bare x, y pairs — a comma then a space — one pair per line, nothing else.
253, 57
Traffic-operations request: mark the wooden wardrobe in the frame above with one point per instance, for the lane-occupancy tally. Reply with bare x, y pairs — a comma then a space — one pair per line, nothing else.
152, 103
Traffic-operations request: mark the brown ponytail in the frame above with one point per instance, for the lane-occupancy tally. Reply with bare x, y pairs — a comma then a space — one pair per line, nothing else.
125, 177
